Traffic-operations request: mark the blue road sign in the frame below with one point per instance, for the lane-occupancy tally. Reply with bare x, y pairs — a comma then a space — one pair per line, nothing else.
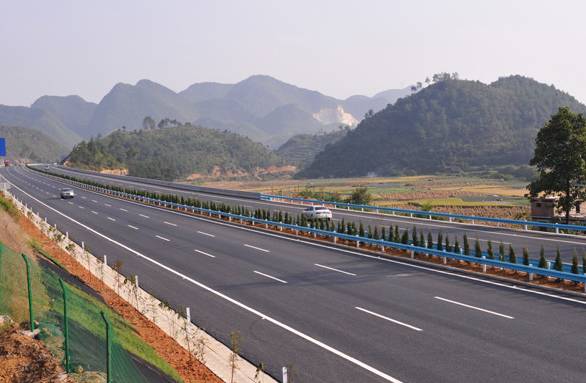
2, 147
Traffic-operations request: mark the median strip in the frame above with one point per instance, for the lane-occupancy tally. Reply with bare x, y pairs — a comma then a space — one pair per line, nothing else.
475, 308
388, 319
270, 276
334, 269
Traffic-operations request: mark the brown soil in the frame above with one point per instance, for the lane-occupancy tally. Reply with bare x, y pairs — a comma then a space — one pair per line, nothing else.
189, 368
24, 359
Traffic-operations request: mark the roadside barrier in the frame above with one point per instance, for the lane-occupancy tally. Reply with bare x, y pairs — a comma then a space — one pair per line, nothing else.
526, 225
484, 261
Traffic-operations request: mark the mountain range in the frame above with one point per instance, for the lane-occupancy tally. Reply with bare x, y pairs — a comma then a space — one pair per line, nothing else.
261, 107
449, 126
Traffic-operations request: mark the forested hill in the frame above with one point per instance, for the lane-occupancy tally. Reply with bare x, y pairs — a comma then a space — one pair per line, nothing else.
451, 125
301, 149
174, 153
30, 145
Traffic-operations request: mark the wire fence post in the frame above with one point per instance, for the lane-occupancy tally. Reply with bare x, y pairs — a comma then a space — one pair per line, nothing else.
108, 348
65, 327
30, 292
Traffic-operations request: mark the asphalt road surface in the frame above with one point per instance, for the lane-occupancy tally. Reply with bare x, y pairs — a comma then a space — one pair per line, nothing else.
333, 315
519, 239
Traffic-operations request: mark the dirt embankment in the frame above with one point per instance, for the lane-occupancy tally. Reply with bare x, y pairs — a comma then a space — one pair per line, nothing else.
24, 359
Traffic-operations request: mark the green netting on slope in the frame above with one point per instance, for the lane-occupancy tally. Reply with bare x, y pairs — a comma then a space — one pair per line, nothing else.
87, 332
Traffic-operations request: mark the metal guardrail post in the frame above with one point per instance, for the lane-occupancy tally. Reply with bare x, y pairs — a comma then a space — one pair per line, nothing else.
30, 292
108, 348
65, 327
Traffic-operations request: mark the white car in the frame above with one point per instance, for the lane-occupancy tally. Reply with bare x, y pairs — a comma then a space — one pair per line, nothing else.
67, 193
317, 212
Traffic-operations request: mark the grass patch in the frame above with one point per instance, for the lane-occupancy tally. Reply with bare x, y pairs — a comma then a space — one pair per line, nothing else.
8, 206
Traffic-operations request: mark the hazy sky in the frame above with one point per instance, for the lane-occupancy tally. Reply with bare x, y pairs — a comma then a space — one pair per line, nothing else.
338, 47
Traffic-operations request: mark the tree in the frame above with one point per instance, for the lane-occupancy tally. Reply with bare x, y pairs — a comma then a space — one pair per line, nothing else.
512, 256
558, 265
440, 241
421, 239
575, 268
489, 250
525, 256
405, 238
429, 241
360, 196
501, 251
456, 248
542, 260
477, 249
148, 123
414, 238
466, 245
448, 247
396, 235
361, 230
560, 158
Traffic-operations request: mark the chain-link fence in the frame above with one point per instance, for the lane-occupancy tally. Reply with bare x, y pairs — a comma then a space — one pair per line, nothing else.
93, 342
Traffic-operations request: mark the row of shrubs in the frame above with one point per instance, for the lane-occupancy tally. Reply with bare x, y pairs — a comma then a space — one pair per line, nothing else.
390, 233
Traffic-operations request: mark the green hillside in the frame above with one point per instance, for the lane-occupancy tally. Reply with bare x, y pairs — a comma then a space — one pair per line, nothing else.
173, 153
301, 149
450, 126
30, 145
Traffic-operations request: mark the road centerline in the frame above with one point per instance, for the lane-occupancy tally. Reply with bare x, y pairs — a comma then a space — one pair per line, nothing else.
257, 248
270, 276
169, 223
474, 308
388, 319
207, 234
204, 253
334, 269
163, 238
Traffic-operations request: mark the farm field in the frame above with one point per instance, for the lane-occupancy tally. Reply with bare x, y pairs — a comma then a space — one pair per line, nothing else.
457, 194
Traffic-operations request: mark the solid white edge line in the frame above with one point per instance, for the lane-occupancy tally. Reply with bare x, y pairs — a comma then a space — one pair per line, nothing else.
204, 253
270, 276
510, 286
388, 319
334, 269
475, 308
227, 298
257, 248
204, 233
163, 238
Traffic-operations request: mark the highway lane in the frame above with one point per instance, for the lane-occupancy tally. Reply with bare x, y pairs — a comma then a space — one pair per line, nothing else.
520, 239
324, 301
